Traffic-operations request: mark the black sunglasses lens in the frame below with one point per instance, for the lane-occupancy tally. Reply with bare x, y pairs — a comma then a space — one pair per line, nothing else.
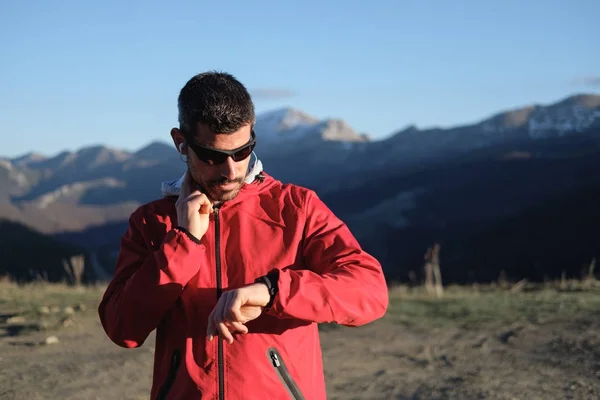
211, 157
214, 157
219, 158
242, 154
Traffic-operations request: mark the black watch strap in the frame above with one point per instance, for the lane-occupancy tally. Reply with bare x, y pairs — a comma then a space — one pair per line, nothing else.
270, 280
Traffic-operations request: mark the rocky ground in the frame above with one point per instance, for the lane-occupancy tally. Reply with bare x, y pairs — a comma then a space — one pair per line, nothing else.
471, 344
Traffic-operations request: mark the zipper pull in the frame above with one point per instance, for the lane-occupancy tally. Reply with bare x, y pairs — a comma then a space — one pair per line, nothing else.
275, 360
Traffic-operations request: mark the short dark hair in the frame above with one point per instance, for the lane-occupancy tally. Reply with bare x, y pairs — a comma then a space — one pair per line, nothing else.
216, 99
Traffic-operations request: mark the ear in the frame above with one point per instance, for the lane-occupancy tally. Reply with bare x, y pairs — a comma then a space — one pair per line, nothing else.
178, 140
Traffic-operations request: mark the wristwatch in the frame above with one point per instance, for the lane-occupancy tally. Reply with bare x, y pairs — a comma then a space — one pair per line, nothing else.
270, 280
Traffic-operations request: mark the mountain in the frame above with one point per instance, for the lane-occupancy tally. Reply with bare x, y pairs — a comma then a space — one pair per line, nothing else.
14, 180
28, 159
153, 153
399, 195
289, 126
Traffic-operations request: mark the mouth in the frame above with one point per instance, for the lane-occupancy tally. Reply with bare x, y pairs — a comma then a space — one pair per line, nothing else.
227, 186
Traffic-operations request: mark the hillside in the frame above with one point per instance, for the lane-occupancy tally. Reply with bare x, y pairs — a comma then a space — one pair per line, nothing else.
29, 255
542, 242
398, 216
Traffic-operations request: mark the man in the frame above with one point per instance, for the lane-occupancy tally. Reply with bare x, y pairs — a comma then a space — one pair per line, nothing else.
233, 268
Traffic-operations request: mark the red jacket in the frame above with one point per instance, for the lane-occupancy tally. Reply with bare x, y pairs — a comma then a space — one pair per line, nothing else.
166, 281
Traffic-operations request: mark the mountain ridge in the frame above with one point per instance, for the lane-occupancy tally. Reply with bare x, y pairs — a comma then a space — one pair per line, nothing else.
289, 117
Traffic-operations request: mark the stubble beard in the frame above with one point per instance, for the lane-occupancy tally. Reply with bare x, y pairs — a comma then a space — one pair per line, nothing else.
213, 192
225, 196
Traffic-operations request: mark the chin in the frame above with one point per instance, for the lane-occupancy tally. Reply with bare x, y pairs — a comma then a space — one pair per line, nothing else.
225, 196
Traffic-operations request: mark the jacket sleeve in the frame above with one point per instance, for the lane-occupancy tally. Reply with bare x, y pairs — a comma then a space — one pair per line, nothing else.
342, 283
147, 282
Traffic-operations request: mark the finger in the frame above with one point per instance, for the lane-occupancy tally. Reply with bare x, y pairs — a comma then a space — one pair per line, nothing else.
224, 332
238, 326
220, 320
200, 203
211, 329
199, 200
233, 313
220, 312
217, 315
205, 205
228, 315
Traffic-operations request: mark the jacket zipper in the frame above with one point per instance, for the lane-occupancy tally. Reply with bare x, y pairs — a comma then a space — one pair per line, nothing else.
166, 387
284, 374
220, 360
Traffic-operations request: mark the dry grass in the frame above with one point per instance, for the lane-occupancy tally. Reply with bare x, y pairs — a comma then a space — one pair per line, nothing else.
28, 298
469, 306
460, 305
42, 306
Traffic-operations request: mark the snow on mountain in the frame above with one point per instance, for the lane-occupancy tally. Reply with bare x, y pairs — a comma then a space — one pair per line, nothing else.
291, 125
339, 130
571, 115
284, 119
546, 122
283, 123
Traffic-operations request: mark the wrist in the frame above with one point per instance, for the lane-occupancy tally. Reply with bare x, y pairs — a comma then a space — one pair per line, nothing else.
263, 297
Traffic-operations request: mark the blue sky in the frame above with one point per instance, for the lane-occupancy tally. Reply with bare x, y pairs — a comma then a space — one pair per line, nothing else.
77, 73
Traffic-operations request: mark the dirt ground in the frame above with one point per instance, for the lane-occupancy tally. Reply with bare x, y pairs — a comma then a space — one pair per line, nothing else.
555, 356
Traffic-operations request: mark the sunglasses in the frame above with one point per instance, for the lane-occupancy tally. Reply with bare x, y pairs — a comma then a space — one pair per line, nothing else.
214, 156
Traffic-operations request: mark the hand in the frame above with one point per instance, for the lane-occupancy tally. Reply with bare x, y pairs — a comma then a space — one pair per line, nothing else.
235, 308
193, 208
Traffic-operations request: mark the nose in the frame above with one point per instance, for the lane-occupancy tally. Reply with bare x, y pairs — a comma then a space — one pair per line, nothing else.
228, 169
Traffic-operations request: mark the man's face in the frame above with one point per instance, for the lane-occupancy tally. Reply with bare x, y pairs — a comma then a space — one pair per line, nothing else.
220, 182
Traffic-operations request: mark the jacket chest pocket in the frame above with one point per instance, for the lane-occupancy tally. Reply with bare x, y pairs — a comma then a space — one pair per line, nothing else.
286, 379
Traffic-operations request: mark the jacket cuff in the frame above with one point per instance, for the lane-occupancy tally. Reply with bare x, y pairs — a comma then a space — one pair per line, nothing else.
188, 234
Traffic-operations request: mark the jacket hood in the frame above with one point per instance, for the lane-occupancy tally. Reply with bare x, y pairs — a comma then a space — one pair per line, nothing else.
255, 169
